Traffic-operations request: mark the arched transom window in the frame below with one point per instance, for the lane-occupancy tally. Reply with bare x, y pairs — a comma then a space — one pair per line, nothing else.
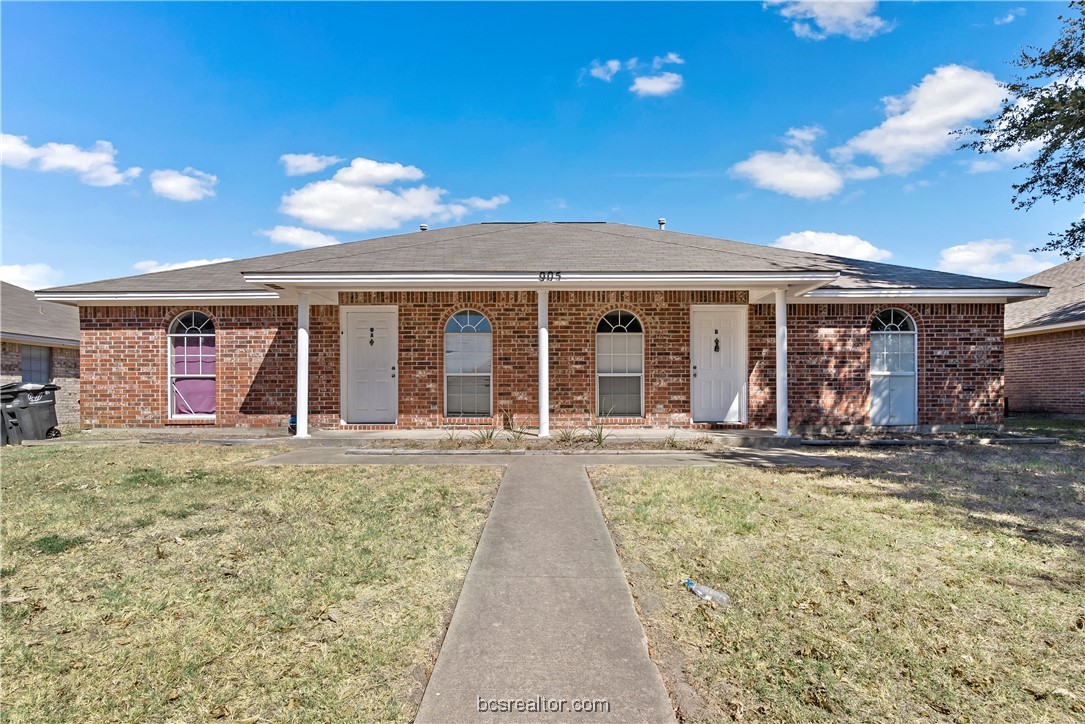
893, 389
192, 366
468, 365
619, 365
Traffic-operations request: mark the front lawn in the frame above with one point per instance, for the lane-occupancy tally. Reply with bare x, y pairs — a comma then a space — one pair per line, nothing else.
917, 584
172, 582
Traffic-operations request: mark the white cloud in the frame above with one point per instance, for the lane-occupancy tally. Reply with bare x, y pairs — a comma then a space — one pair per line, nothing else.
95, 166
860, 173
995, 258
659, 85
299, 164
983, 165
365, 172
150, 265
803, 138
920, 124
354, 199
299, 237
187, 185
605, 71
818, 19
795, 173
1010, 16
486, 204
671, 57
826, 242
30, 276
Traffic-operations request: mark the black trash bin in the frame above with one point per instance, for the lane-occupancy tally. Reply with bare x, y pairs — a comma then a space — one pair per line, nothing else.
34, 409
10, 432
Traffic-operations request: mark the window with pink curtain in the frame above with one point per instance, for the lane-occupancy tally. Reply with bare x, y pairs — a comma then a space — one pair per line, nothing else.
192, 365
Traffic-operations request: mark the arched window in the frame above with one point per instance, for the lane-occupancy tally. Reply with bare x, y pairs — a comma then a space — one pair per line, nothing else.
468, 365
619, 365
192, 366
893, 369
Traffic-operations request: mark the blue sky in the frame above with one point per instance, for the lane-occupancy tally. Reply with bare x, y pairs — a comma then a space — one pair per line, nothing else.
140, 135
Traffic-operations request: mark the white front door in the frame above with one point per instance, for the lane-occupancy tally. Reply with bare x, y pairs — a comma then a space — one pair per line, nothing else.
370, 390
718, 364
893, 378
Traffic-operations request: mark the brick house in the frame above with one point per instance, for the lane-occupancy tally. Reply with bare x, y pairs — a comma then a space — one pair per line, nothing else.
1045, 345
39, 342
542, 324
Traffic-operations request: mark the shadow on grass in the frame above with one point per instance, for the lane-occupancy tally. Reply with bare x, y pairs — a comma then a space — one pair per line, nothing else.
1036, 493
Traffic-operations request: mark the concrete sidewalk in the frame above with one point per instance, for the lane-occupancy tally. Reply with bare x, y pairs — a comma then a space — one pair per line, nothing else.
734, 456
545, 620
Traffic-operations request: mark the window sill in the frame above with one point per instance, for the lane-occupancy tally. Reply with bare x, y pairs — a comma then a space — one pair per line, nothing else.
188, 421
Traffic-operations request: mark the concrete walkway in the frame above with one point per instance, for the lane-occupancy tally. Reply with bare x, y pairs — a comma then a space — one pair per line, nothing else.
545, 620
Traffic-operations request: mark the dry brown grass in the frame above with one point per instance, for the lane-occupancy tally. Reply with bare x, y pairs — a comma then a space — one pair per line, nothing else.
172, 582
917, 584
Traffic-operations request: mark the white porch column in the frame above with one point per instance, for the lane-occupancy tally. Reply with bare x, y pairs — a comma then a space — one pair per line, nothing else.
781, 362
303, 365
544, 364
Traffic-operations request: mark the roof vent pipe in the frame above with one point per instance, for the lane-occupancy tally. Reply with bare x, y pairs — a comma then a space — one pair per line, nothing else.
662, 223
423, 227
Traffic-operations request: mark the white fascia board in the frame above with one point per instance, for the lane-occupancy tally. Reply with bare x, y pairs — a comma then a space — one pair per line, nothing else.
530, 280
113, 298
927, 295
1046, 328
39, 341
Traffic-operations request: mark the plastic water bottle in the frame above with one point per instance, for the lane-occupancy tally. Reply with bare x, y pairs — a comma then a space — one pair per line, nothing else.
707, 594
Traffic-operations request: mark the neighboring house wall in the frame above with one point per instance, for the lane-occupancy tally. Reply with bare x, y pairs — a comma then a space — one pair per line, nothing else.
64, 371
1046, 372
124, 366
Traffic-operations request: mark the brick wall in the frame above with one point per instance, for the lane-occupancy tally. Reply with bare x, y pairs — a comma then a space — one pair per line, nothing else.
1046, 372
64, 372
960, 363
573, 318
124, 359
123, 365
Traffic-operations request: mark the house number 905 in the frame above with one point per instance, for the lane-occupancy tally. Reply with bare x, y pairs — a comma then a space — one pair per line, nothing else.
549, 276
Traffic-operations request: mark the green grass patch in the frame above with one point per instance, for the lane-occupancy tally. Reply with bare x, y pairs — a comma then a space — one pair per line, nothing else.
936, 585
193, 586
53, 544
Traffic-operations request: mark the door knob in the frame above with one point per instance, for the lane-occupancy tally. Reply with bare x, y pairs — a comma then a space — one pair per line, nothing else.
393, 374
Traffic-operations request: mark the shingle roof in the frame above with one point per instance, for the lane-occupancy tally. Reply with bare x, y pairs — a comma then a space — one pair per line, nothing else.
21, 314
1064, 303
569, 247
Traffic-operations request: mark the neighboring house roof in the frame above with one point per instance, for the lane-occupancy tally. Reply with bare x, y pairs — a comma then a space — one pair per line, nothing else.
586, 248
25, 319
1064, 305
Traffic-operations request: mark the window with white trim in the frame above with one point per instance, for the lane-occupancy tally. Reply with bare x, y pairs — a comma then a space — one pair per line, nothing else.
192, 366
468, 365
619, 365
893, 388
36, 364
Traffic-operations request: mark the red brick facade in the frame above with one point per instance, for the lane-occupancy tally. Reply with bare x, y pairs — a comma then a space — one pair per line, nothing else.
124, 360
1046, 372
959, 363
123, 365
